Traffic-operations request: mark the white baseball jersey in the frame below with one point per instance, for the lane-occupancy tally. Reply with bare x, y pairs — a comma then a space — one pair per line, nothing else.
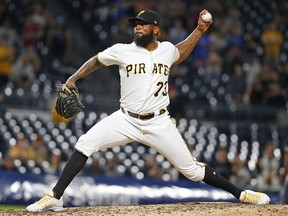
148, 70
144, 85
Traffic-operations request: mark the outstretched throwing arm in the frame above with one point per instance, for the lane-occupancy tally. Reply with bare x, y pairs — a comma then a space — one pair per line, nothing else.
186, 46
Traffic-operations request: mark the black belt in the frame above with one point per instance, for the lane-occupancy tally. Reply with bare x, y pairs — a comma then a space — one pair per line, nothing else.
144, 116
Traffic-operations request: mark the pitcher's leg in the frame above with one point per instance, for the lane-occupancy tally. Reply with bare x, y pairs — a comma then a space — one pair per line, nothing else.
106, 133
166, 139
169, 142
73, 166
112, 131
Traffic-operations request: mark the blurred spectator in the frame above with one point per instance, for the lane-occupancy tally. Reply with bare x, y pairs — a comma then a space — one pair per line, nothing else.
143, 5
177, 32
284, 77
218, 37
87, 9
7, 31
232, 18
176, 106
251, 45
233, 57
120, 9
8, 39
265, 74
237, 84
240, 173
59, 39
285, 161
95, 167
7, 56
254, 93
111, 169
8, 164
268, 168
213, 63
178, 100
2, 95
152, 170
123, 35
3, 10
26, 68
55, 162
235, 37
275, 92
42, 17
30, 33
272, 39
221, 163
21, 150
168, 9
41, 152
253, 69
201, 50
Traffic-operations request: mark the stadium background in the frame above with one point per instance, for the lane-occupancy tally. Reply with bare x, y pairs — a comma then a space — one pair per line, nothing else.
210, 95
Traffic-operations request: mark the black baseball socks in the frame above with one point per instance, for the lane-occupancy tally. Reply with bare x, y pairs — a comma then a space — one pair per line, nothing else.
71, 169
215, 179
78, 160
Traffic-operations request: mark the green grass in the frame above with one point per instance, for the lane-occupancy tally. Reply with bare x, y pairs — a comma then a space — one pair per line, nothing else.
11, 207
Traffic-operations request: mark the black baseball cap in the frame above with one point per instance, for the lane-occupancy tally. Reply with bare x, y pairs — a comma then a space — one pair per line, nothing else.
147, 16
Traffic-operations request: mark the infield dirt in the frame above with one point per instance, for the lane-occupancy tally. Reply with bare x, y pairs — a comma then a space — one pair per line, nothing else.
180, 209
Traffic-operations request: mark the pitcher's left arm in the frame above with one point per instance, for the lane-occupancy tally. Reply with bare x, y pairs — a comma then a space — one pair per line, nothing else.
186, 46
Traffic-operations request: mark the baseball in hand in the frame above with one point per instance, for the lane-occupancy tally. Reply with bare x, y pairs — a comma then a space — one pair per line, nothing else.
207, 17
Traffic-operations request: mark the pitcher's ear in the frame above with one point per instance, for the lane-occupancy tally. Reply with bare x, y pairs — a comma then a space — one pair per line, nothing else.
156, 31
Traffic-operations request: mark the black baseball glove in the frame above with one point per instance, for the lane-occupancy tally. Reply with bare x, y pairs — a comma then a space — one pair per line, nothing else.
68, 104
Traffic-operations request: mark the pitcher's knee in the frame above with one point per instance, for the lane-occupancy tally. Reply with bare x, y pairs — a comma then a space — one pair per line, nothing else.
195, 174
86, 146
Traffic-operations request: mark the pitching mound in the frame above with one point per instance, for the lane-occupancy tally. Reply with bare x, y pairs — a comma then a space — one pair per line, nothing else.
180, 209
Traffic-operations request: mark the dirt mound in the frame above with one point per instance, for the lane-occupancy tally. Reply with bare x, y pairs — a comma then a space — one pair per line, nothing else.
179, 209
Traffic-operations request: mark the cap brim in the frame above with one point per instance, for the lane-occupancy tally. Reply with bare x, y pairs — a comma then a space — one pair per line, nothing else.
132, 20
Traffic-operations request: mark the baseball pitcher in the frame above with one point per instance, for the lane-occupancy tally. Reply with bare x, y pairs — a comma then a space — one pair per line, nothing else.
144, 68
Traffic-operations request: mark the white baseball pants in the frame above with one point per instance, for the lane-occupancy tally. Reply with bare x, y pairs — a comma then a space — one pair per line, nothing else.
159, 133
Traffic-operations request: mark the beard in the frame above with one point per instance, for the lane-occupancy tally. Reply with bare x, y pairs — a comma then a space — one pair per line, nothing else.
143, 40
